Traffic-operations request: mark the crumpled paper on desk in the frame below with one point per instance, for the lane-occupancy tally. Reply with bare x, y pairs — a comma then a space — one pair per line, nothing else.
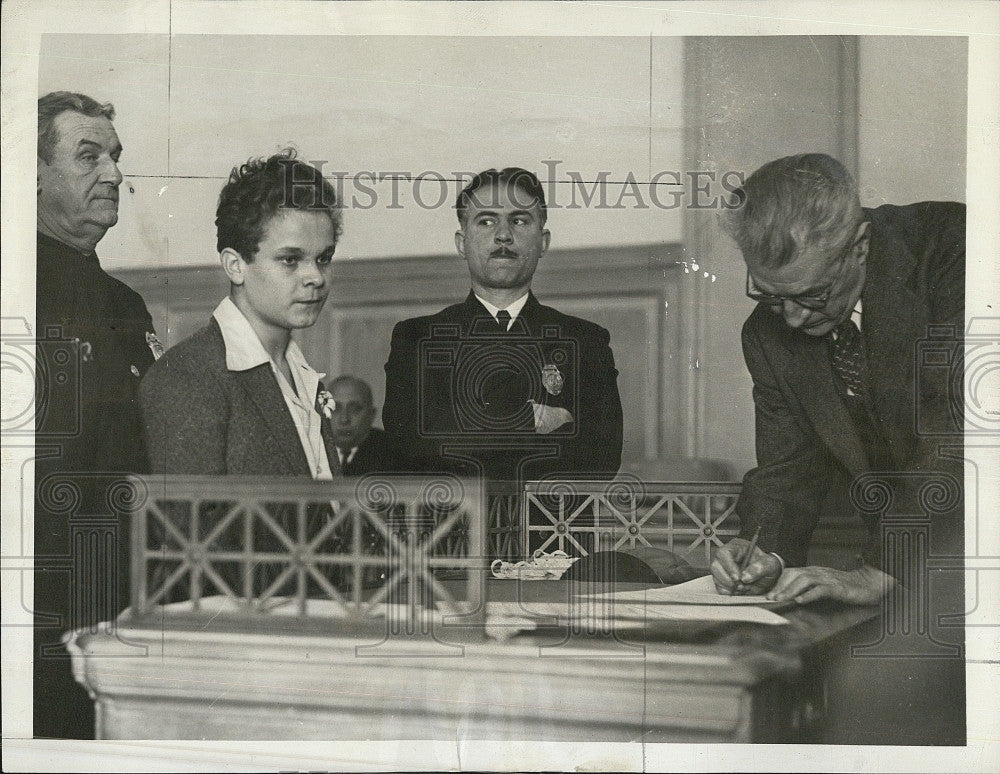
541, 566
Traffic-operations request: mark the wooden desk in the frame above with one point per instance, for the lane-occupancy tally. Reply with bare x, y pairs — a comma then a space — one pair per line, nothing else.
177, 676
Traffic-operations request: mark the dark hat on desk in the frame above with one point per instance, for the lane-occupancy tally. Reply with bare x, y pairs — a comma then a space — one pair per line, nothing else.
642, 564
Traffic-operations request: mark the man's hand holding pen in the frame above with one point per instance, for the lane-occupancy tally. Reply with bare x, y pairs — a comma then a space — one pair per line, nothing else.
741, 568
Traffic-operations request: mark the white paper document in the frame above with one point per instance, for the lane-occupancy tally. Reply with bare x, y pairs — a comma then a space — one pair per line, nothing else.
528, 615
700, 591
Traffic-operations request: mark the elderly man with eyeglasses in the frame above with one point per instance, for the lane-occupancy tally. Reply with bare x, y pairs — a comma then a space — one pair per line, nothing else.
844, 297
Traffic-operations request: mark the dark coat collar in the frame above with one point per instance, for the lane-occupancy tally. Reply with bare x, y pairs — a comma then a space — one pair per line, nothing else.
54, 249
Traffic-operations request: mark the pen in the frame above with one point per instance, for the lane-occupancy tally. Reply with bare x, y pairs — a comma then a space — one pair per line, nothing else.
746, 559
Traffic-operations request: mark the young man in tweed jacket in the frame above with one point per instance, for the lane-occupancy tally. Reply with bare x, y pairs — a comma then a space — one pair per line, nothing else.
238, 397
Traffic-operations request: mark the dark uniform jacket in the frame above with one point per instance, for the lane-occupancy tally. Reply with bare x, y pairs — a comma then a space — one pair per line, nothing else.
806, 439
458, 391
93, 346
88, 402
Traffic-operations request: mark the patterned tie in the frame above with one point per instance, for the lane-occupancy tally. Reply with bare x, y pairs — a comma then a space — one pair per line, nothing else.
503, 320
849, 358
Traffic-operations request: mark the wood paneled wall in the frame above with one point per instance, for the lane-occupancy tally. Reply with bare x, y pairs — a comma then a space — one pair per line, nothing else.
634, 292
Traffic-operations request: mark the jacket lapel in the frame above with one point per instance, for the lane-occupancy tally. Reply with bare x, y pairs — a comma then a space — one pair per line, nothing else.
477, 322
892, 317
530, 316
328, 443
263, 391
810, 376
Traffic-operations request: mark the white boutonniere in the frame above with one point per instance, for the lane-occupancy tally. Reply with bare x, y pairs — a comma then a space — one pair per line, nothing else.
325, 404
154, 345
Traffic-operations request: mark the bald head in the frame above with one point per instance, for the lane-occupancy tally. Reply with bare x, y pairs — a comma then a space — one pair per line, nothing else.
355, 385
354, 412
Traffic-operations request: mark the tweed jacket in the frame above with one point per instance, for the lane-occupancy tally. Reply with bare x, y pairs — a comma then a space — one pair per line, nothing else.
202, 418
806, 441
458, 391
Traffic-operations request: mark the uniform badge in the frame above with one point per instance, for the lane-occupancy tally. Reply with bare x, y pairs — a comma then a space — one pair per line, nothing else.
552, 380
154, 345
135, 370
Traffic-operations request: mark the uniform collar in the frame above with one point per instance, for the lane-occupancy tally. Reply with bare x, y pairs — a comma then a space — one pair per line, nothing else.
55, 249
514, 309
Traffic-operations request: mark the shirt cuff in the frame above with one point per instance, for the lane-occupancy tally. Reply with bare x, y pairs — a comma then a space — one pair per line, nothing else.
778, 557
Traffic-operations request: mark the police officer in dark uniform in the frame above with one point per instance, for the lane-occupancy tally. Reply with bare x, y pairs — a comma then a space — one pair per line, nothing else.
95, 340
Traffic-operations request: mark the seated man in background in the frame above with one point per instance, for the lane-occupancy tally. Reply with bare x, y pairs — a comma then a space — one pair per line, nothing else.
361, 448
834, 402
500, 386
238, 397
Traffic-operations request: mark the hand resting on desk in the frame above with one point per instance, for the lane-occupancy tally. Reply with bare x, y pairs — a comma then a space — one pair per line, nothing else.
759, 576
864, 586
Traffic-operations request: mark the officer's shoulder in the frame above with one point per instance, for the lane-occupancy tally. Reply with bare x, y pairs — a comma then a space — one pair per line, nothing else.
914, 218
197, 353
762, 321
571, 324
126, 297
418, 326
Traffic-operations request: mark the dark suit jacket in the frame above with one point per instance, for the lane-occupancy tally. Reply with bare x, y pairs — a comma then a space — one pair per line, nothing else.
806, 441
457, 392
372, 456
202, 418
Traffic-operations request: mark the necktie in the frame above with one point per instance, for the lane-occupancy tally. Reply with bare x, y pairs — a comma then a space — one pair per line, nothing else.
848, 357
503, 320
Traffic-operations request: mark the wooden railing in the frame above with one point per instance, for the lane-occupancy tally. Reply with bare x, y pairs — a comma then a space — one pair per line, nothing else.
360, 543
410, 542
580, 517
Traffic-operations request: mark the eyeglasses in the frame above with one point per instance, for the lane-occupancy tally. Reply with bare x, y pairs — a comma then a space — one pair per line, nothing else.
813, 301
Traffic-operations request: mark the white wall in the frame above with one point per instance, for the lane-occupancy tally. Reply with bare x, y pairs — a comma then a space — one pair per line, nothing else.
898, 107
911, 119
188, 113
192, 106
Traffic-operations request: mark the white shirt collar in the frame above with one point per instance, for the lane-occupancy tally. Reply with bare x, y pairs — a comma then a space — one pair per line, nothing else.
514, 309
244, 351
243, 348
855, 318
